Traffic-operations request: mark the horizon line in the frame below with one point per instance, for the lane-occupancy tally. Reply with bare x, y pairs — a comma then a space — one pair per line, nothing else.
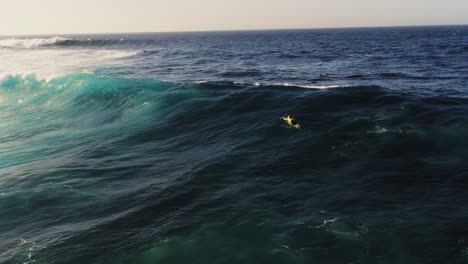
234, 30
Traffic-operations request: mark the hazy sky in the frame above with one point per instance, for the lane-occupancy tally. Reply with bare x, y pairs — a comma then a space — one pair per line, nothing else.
97, 16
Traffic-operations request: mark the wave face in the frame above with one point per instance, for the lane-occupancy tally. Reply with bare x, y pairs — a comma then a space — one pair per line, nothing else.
155, 149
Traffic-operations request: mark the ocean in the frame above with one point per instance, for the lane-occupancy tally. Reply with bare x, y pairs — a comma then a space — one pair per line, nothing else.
169, 148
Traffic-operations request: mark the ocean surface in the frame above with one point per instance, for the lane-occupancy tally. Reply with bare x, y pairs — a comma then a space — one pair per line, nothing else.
169, 148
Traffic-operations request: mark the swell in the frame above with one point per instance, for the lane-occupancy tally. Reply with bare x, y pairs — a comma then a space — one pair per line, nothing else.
78, 91
107, 153
76, 110
142, 110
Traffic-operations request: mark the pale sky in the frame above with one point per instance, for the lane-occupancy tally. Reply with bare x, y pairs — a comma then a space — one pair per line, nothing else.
19, 17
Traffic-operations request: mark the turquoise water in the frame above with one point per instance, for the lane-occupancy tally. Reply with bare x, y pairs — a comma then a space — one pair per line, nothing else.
158, 149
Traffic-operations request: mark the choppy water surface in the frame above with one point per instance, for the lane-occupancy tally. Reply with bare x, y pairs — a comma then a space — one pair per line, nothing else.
168, 148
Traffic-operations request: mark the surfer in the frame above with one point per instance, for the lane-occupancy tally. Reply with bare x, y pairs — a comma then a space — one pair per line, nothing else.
291, 121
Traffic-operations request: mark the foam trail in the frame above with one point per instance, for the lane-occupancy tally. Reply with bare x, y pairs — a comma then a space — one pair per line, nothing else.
313, 86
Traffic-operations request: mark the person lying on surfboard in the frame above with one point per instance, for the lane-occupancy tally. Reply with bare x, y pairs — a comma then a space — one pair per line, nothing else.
291, 121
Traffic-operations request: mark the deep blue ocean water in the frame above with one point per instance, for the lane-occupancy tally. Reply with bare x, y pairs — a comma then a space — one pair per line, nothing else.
168, 148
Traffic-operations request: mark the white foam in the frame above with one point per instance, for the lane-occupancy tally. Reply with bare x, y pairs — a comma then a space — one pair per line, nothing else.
382, 130
330, 221
87, 71
326, 222
378, 130
24, 242
46, 64
313, 86
32, 246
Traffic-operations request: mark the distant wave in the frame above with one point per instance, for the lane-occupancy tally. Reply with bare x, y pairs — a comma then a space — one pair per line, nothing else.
89, 42
29, 43
391, 75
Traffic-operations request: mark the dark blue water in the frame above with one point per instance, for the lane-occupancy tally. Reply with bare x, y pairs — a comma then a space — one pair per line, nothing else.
168, 148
